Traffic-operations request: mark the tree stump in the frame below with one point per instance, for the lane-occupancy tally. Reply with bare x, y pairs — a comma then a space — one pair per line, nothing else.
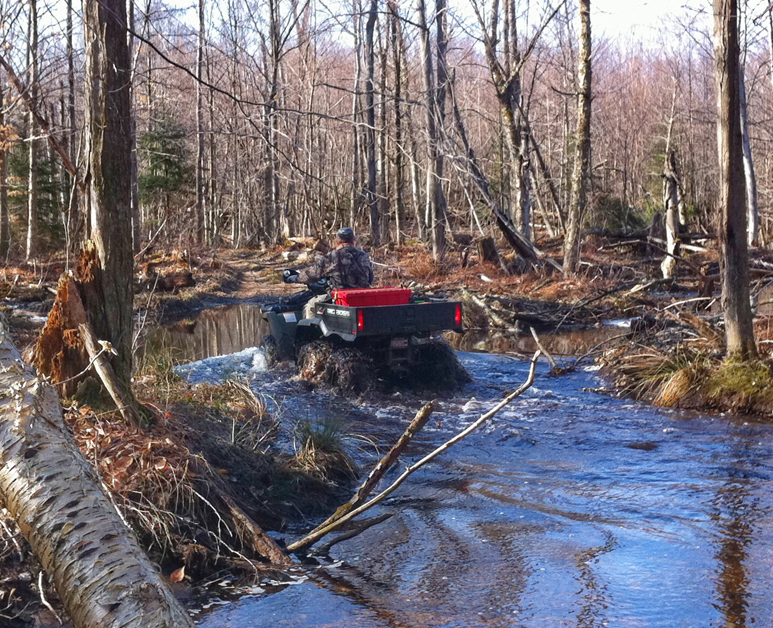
72, 340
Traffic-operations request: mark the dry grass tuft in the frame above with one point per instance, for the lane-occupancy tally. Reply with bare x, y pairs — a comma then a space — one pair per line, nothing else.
253, 427
663, 378
320, 451
677, 386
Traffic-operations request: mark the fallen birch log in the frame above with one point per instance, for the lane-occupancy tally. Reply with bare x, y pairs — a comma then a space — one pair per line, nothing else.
102, 575
316, 535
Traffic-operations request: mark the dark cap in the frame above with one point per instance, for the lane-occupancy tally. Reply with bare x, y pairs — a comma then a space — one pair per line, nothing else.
345, 234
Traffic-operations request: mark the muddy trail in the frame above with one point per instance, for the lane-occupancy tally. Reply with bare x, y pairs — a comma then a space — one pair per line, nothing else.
569, 508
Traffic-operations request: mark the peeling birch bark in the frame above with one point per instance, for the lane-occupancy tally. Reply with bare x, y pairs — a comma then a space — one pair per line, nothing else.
101, 573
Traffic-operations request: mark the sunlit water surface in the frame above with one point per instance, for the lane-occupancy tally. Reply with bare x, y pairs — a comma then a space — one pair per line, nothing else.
568, 508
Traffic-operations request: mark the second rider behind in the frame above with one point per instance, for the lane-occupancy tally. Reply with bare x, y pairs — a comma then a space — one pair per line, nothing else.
345, 267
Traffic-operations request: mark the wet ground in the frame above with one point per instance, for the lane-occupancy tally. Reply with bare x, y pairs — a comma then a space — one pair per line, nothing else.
567, 509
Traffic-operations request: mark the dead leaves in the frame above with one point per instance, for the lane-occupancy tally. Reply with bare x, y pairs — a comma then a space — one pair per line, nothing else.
131, 459
178, 574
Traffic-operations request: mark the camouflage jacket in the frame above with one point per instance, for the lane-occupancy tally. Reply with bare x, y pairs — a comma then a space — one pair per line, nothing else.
344, 267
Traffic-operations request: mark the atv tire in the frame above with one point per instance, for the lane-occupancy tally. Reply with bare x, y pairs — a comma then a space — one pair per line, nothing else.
350, 371
270, 350
313, 359
438, 367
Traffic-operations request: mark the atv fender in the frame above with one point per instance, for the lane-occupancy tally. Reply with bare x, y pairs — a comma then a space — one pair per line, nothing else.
319, 324
283, 326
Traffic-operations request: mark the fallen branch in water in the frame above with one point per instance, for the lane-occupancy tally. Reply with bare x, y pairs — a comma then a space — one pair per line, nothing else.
252, 535
596, 347
313, 537
495, 318
553, 365
365, 525
386, 463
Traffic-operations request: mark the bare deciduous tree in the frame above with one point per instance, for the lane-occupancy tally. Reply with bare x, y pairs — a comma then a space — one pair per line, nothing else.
582, 170
739, 332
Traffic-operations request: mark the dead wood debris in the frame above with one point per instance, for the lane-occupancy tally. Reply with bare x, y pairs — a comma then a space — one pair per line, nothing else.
167, 492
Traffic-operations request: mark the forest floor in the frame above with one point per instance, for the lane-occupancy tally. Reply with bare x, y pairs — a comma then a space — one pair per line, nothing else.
679, 322
218, 438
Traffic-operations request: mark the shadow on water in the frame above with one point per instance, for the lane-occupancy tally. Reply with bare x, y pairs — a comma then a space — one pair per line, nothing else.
566, 509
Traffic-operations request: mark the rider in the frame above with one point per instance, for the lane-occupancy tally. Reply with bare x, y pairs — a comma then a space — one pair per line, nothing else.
345, 267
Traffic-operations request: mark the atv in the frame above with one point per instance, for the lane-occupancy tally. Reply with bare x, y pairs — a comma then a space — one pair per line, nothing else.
359, 334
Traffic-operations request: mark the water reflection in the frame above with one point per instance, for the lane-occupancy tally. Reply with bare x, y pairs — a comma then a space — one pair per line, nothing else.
214, 332
572, 342
736, 512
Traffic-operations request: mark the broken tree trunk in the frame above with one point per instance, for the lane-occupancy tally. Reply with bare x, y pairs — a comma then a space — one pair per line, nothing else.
103, 577
70, 342
487, 251
672, 204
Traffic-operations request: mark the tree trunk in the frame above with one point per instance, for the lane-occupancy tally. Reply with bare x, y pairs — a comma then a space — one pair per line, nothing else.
32, 180
441, 52
72, 146
752, 206
354, 207
101, 574
672, 201
370, 132
548, 178
581, 174
734, 267
435, 198
396, 36
200, 157
213, 221
5, 221
276, 221
511, 98
108, 174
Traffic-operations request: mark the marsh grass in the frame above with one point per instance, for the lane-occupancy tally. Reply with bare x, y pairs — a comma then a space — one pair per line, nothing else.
158, 362
663, 378
253, 427
320, 449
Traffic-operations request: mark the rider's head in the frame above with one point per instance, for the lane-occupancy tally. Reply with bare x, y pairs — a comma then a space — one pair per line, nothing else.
345, 234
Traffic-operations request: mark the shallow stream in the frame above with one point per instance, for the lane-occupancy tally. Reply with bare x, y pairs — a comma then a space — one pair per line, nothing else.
569, 508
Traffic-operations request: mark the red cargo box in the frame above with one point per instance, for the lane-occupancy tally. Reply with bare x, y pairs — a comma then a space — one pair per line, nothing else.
368, 297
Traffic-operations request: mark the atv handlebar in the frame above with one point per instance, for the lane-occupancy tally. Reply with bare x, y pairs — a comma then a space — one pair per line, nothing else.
319, 287
290, 275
